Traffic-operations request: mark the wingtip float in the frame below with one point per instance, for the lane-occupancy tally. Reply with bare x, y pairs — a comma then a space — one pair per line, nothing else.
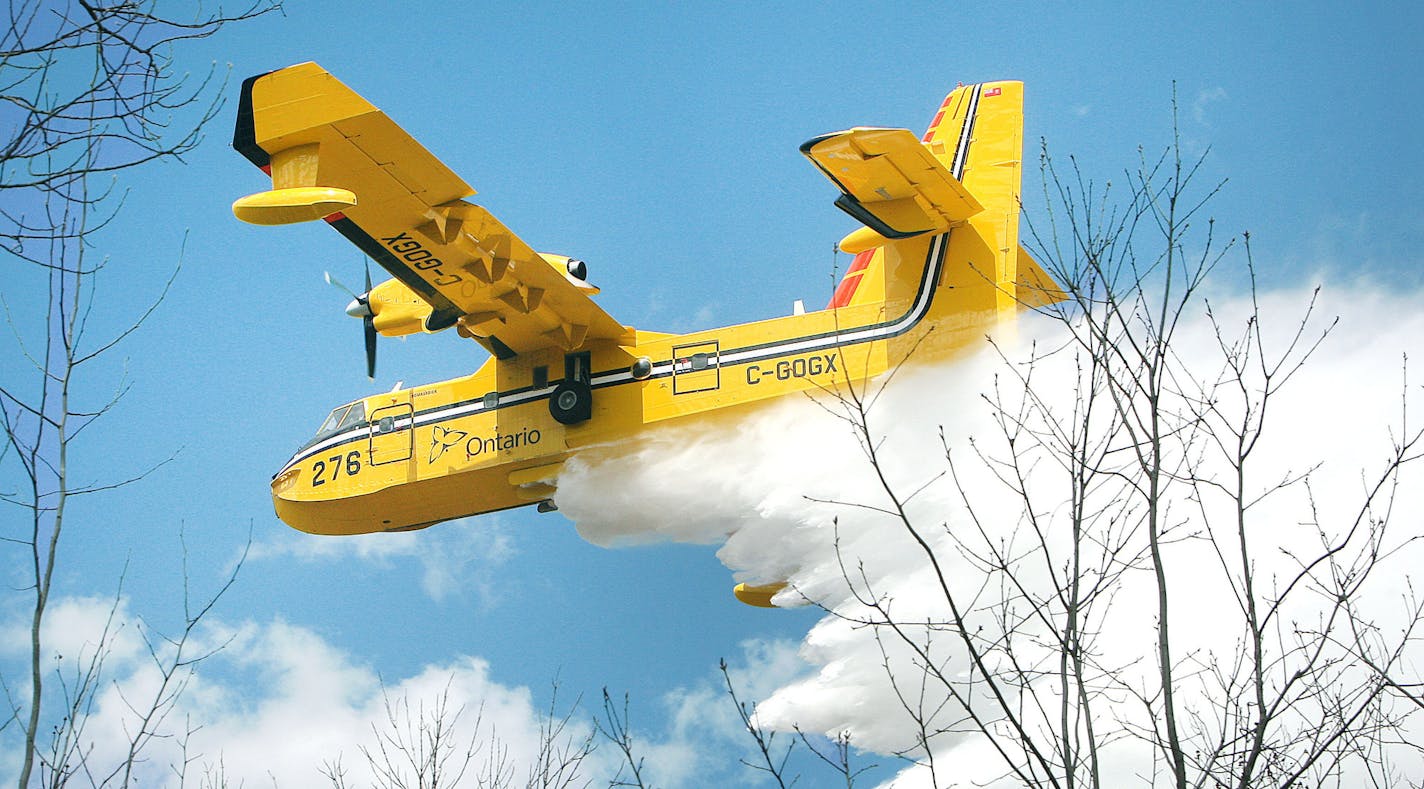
291, 205
937, 249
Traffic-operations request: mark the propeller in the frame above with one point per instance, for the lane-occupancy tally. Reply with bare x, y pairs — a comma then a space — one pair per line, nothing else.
360, 307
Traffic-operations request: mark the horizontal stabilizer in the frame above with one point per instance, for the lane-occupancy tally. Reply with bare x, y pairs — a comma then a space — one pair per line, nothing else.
891, 182
1035, 288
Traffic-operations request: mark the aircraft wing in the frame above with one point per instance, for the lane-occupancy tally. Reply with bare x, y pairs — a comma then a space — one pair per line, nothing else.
891, 182
334, 156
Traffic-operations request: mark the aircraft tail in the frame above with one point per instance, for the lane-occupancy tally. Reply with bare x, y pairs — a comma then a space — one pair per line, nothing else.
964, 171
952, 130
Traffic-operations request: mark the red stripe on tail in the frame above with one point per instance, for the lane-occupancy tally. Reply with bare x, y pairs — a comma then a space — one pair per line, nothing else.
846, 290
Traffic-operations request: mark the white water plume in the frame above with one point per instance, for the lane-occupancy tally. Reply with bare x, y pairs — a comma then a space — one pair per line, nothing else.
792, 495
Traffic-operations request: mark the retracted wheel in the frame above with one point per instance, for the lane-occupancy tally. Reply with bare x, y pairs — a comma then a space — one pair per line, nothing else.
571, 402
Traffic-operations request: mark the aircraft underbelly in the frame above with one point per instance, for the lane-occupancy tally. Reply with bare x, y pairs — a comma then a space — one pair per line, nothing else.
406, 506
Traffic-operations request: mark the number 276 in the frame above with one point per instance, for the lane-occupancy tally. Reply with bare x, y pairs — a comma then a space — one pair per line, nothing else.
351, 463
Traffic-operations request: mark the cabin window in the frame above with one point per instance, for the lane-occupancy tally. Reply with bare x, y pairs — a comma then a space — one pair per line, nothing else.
386, 425
492, 400
541, 377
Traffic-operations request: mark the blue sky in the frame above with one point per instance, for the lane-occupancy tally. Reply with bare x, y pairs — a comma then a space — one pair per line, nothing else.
658, 143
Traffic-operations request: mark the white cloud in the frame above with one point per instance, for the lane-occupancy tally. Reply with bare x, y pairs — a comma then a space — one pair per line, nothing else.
705, 736
74, 626
278, 702
1203, 101
457, 557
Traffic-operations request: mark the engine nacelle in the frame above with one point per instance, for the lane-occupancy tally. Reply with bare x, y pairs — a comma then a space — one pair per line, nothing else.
576, 270
396, 310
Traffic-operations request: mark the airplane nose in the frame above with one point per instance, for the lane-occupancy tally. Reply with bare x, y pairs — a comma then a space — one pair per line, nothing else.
358, 308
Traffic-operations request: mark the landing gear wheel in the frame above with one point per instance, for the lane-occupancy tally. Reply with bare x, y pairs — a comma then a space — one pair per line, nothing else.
571, 402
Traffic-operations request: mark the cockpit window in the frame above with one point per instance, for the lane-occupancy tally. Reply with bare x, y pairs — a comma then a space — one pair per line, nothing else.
342, 417
329, 426
353, 417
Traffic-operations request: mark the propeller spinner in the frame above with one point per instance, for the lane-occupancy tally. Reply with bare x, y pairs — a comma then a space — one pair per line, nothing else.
360, 307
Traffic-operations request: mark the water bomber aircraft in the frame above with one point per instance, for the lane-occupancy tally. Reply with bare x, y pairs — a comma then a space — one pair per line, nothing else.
937, 263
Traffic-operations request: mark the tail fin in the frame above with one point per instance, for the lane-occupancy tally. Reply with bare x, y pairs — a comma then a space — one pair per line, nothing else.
990, 116
978, 136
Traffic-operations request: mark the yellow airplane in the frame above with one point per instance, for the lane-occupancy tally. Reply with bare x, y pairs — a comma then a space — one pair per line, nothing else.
936, 263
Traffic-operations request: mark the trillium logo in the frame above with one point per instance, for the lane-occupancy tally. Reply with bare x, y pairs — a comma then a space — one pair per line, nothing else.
442, 439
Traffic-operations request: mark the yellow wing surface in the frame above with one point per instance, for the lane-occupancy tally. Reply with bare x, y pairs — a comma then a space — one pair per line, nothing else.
332, 155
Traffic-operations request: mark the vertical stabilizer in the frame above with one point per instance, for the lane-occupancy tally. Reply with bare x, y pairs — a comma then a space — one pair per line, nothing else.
978, 135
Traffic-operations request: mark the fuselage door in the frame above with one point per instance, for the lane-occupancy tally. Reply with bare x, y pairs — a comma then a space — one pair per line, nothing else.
392, 438
696, 368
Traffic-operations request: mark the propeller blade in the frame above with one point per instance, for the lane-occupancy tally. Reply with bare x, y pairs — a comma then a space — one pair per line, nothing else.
369, 324
336, 283
360, 307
